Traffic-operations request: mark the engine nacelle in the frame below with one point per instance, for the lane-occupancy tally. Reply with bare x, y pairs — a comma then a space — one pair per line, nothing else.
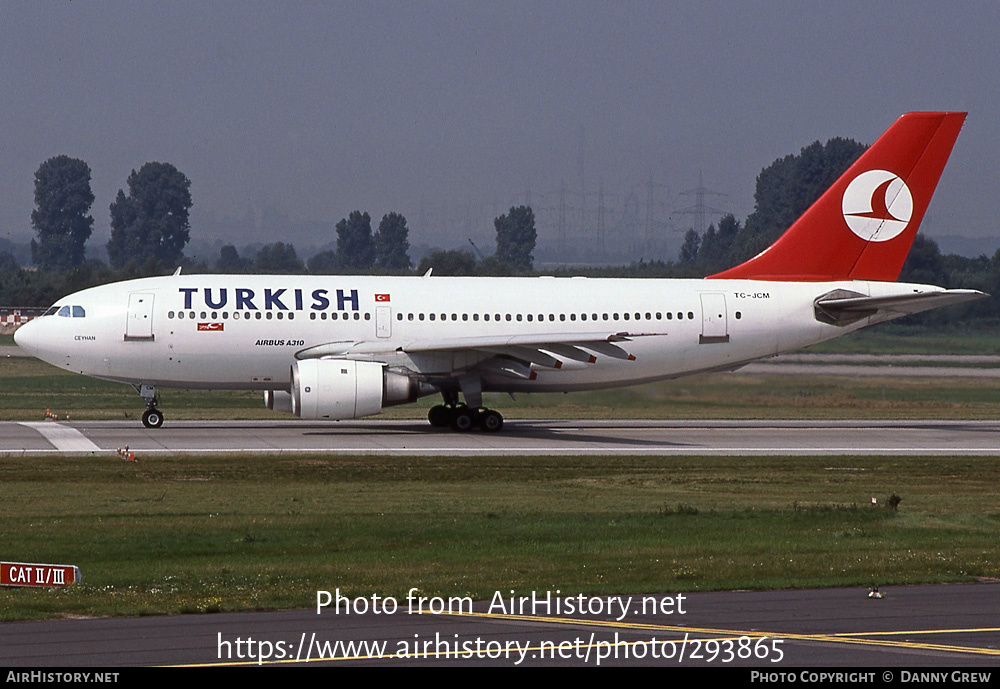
278, 400
345, 389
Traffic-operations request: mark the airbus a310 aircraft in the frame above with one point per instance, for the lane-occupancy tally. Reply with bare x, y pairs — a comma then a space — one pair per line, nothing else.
345, 347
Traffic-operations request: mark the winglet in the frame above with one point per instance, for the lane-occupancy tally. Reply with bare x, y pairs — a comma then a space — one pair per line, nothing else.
862, 227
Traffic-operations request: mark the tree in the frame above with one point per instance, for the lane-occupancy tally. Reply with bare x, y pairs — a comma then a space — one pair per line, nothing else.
392, 245
229, 261
323, 263
454, 262
61, 217
786, 189
278, 258
151, 223
689, 250
8, 264
516, 237
924, 264
355, 245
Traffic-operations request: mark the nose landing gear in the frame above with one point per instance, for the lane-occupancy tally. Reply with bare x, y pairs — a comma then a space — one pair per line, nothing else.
152, 417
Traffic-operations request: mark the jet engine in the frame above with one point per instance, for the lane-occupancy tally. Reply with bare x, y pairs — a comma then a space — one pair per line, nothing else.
344, 389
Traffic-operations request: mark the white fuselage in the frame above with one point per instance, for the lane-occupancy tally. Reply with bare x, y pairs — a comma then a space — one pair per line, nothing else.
244, 331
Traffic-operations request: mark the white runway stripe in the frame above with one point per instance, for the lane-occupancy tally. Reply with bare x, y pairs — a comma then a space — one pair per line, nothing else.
63, 437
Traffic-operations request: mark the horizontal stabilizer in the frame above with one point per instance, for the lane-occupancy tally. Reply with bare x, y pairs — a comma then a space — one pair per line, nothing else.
841, 307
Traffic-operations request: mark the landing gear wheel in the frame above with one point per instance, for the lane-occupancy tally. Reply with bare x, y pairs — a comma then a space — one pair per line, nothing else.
439, 416
152, 418
463, 420
491, 421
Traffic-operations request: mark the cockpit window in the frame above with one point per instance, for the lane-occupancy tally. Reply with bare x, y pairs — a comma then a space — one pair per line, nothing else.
51, 311
64, 312
78, 312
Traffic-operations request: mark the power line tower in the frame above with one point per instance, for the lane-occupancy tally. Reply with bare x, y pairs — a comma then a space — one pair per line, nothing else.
700, 210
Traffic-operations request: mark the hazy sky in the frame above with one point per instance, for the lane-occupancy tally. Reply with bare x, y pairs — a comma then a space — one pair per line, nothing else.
316, 109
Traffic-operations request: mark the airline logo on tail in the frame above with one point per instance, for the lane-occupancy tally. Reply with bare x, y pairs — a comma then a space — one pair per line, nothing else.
877, 205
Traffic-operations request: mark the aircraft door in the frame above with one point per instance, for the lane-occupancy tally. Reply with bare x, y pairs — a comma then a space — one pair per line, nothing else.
714, 320
383, 321
139, 325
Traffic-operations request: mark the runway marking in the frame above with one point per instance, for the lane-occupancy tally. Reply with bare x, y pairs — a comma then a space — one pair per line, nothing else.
86, 446
843, 637
63, 438
716, 634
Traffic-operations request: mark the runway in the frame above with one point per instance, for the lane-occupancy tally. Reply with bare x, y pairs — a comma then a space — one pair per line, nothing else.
537, 438
943, 626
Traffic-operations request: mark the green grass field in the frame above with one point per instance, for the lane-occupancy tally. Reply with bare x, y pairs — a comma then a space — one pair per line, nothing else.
196, 534
200, 534
29, 387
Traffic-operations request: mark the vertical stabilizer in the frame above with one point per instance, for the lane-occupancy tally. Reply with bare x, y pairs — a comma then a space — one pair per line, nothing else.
862, 227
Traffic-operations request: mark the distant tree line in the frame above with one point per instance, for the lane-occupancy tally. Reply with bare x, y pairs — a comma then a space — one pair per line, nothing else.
150, 229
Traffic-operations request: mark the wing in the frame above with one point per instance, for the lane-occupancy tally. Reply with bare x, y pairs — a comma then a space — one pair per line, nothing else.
511, 355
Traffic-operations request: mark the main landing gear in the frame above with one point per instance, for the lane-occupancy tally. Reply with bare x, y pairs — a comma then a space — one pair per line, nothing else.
152, 417
465, 417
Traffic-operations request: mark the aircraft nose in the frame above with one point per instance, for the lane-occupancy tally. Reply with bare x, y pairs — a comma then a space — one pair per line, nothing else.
26, 337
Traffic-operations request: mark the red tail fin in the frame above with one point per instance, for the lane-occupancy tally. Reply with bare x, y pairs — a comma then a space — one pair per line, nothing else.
862, 227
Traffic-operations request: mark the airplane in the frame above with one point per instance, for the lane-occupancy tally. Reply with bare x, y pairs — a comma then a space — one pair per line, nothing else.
346, 347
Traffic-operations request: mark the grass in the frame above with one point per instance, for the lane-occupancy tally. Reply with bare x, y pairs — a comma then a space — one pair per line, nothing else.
893, 338
232, 533
197, 534
29, 387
